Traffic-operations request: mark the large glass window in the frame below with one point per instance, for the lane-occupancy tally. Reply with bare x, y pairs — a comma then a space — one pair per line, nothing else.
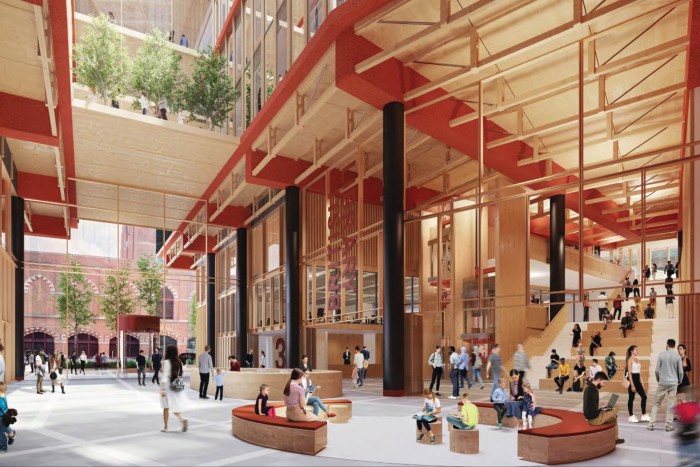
272, 241
282, 28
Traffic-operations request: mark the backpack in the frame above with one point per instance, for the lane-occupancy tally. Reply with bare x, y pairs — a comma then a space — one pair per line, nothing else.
478, 362
365, 364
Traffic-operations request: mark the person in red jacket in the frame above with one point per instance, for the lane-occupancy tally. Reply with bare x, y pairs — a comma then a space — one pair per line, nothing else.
233, 364
617, 307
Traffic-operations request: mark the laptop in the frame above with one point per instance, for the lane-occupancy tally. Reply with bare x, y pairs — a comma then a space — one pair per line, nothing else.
611, 403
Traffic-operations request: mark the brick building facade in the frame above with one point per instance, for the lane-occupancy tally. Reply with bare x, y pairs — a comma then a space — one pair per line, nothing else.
42, 326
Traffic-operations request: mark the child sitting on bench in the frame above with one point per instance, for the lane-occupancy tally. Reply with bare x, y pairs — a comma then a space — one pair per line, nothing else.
468, 418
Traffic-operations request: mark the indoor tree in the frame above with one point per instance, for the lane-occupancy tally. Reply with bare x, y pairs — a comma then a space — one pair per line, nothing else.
193, 315
209, 96
156, 69
74, 303
102, 62
149, 284
117, 298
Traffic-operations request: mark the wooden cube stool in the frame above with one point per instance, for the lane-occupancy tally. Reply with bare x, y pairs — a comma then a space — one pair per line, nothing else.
464, 441
342, 412
435, 429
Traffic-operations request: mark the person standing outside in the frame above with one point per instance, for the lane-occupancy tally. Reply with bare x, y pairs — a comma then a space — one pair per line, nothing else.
494, 367
359, 363
206, 367
346, 356
669, 374
365, 353
592, 408
464, 368
143, 101
454, 372
74, 363
602, 305
435, 361
521, 363
156, 361
39, 368
141, 368
184, 41
248, 359
83, 361
477, 364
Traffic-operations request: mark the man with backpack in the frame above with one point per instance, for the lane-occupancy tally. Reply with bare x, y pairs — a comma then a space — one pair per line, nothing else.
365, 365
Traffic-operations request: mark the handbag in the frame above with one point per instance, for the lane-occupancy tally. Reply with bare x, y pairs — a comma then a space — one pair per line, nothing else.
53, 375
625, 382
177, 384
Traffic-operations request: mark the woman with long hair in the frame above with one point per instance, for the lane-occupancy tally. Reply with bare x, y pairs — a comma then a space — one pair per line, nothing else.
687, 368
295, 400
633, 374
577, 335
263, 359
431, 408
172, 398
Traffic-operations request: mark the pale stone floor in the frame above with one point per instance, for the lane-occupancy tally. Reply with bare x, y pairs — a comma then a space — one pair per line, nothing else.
107, 421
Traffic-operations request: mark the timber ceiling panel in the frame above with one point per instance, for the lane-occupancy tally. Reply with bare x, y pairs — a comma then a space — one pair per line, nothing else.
20, 64
33, 157
138, 151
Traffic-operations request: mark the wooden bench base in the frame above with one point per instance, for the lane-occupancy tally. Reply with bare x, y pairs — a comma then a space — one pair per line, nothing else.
284, 438
343, 413
464, 441
435, 429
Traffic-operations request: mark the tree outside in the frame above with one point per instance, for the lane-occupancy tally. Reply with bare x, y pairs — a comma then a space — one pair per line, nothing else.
74, 305
102, 62
149, 284
209, 96
156, 69
117, 298
193, 315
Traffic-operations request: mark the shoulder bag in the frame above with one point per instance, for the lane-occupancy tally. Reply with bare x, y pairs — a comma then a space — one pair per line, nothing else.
177, 384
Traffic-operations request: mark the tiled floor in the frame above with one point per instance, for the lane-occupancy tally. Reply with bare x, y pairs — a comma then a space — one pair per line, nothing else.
105, 421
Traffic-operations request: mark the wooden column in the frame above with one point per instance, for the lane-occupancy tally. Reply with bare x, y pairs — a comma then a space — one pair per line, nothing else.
511, 254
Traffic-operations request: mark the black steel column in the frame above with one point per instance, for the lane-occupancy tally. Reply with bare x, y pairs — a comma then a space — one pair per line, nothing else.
211, 304
394, 317
241, 293
292, 283
557, 255
17, 233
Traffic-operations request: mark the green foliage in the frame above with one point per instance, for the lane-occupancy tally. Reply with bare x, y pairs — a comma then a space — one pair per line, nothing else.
193, 315
156, 69
209, 96
149, 284
102, 62
117, 299
74, 305
131, 363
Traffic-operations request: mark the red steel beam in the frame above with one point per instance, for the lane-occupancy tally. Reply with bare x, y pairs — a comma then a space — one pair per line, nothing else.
25, 119
35, 187
47, 226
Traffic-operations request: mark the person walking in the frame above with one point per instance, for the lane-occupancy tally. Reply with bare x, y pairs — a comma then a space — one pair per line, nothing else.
477, 363
141, 367
464, 368
669, 269
592, 408
454, 372
359, 363
493, 367
206, 368
602, 305
586, 308
62, 363
346, 356
365, 353
521, 362
39, 369
104, 361
156, 363
635, 291
669, 374
617, 307
669, 304
633, 374
435, 361
172, 393
83, 361
73, 363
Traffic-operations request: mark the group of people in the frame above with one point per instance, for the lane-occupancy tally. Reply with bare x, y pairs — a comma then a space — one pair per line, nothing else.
460, 366
360, 364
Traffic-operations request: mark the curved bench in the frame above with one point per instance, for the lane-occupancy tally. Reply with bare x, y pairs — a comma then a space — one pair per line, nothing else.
278, 433
559, 436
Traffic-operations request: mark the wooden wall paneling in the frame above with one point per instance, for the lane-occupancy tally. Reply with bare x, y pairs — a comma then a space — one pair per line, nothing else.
432, 333
511, 315
463, 263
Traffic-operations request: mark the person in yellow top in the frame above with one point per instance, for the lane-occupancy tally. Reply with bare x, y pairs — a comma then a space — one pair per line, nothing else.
468, 418
563, 375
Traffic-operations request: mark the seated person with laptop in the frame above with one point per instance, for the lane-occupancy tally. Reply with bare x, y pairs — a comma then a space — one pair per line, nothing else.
595, 413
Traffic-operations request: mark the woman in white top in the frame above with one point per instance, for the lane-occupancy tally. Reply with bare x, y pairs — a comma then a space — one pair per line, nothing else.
169, 398
431, 408
83, 361
633, 370
263, 359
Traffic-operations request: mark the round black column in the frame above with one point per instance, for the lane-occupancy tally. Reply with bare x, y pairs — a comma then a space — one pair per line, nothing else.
292, 291
393, 275
241, 293
557, 254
